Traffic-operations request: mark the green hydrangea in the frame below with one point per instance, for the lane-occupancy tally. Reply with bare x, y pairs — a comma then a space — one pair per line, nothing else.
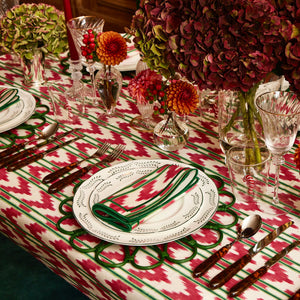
30, 26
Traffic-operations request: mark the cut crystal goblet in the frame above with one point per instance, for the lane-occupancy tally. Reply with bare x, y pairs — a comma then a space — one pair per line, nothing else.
280, 114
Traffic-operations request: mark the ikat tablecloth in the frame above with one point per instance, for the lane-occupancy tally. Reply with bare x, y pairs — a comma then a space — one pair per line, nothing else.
29, 215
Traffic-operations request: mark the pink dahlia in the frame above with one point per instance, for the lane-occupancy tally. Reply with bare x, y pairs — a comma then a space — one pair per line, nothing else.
142, 86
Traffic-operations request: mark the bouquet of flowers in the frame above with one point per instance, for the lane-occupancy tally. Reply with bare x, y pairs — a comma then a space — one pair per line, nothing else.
222, 45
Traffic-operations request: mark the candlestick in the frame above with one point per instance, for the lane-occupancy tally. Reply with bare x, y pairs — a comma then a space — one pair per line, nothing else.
68, 15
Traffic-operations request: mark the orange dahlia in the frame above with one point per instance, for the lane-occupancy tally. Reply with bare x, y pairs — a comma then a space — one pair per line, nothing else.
182, 97
297, 157
112, 48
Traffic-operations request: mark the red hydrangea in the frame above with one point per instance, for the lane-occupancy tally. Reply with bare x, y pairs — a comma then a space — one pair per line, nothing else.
218, 44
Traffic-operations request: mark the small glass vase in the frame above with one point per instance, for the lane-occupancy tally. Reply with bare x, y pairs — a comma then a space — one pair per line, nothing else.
171, 134
77, 87
108, 82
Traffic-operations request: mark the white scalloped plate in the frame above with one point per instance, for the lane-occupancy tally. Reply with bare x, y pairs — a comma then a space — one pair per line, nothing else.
185, 216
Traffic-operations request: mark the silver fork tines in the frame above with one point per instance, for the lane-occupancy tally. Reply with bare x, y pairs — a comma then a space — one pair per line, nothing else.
115, 154
58, 185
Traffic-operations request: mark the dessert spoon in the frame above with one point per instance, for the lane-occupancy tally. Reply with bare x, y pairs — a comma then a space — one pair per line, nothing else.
249, 227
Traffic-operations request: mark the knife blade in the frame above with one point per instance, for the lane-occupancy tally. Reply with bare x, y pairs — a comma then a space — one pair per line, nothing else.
7, 161
21, 163
230, 271
240, 287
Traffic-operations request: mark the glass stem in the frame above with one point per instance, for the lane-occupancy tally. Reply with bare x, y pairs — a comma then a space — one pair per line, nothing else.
278, 160
76, 75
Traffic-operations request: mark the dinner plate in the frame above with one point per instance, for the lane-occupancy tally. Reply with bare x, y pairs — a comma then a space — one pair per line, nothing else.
17, 113
129, 64
183, 217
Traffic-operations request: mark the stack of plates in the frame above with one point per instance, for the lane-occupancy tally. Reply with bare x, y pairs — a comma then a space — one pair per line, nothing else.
17, 113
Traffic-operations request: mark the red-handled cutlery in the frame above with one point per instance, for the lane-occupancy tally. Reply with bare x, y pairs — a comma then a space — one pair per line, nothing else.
24, 162
250, 226
229, 272
240, 287
7, 161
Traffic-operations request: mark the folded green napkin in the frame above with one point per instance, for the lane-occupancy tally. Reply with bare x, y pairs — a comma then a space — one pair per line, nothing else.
131, 205
8, 97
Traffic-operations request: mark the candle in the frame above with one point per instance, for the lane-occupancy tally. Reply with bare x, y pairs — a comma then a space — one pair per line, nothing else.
68, 15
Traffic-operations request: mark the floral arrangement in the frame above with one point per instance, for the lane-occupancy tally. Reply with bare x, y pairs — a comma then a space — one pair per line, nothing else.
178, 96
29, 26
220, 44
109, 47
182, 97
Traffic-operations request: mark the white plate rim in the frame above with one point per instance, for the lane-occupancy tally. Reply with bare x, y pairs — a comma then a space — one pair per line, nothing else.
116, 236
29, 104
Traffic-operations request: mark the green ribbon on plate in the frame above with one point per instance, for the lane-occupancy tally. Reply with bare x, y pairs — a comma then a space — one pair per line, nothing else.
155, 191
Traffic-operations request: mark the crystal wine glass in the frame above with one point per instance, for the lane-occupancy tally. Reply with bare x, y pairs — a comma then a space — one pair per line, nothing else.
280, 113
79, 27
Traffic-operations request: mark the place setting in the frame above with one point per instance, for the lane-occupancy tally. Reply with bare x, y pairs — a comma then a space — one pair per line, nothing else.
170, 169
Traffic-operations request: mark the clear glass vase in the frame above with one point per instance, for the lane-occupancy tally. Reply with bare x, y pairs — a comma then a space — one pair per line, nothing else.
108, 82
239, 121
171, 134
79, 27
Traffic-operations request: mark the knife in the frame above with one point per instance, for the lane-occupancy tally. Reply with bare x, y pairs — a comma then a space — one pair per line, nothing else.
7, 161
229, 272
12, 149
240, 287
21, 163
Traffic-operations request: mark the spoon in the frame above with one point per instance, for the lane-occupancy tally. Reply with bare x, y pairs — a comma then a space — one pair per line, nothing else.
249, 227
45, 134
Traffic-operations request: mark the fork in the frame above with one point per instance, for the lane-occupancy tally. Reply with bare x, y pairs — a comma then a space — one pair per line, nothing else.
60, 184
58, 173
